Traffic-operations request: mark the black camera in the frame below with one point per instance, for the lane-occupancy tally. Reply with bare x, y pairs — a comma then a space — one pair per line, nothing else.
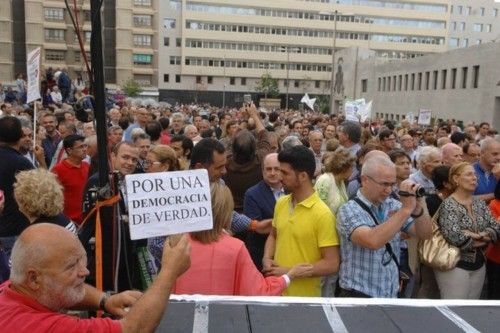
422, 192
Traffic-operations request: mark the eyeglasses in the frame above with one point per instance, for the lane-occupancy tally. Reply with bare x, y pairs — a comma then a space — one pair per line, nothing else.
383, 184
148, 163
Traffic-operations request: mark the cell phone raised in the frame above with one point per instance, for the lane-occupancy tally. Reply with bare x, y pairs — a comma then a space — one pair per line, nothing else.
247, 99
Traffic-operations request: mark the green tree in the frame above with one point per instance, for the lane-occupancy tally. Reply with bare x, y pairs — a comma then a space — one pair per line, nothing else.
268, 86
132, 88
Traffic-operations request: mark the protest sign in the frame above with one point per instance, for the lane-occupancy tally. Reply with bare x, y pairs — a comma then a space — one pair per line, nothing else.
358, 110
424, 117
167, 203
33, 70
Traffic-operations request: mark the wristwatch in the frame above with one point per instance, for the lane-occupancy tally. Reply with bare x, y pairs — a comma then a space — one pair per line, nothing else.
104, 299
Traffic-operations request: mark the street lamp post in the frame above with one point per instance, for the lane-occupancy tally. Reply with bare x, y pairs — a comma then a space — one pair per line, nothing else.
287, 75
332, 90
224, 87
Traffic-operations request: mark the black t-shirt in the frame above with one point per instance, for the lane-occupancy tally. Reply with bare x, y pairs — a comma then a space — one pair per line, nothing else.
12, 221
433, 202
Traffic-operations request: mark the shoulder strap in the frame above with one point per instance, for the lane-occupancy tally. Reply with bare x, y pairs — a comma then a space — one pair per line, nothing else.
388, 246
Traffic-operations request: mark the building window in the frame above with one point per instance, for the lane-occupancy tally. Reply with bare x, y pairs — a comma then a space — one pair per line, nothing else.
465, 42
481, 11
379, 84
55, 14
142, 20
460, 9
383, 83
296, 83
364, 85
467, 10
55, 55
175, 60
478, 41
454, 42
464, 77
166, 41
243, 81
210, 79
462, 26
475, 76
142, 3
232, 81
142, 40
54, 35
394, 83
495, 12
443, 79
142, 59
477, 27
169, 23
453, 78
435, 80
178, 42
406, 82
454, 26
285, 83
316, 84
427, 80
198, 79
413, 81
177, 78
400, 82
419, 81
487, 28
166, 77
389, 83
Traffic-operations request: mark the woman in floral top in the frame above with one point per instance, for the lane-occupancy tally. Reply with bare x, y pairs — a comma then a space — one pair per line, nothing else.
465, 222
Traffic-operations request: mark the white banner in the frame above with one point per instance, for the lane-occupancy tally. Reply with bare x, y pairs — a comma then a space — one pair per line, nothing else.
167, 203
358, 110
424, 117
33, 70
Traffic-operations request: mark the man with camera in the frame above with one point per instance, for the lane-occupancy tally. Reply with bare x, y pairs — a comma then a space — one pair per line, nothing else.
369, 226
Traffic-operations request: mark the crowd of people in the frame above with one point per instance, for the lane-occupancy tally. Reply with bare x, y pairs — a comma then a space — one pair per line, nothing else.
304, 204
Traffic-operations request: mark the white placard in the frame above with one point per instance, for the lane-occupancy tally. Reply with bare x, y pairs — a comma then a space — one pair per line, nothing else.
424, 117
167, 203
410, 117
33, 70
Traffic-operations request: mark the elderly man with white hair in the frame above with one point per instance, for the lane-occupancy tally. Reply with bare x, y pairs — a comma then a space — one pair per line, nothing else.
428, 159
452, 154
370, 225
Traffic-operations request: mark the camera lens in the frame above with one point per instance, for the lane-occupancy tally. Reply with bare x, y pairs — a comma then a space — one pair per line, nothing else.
420, 192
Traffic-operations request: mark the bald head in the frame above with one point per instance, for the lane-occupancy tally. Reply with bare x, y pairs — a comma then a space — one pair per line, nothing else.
376, 153
49, 264
452, 154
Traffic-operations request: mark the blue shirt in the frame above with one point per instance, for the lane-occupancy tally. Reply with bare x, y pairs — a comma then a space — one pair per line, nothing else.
486, 181
419, 178
372, 272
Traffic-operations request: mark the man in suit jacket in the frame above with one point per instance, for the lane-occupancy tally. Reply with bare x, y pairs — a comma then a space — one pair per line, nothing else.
259, 204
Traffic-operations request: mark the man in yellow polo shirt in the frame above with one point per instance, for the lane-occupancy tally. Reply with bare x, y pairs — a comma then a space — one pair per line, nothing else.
303, 227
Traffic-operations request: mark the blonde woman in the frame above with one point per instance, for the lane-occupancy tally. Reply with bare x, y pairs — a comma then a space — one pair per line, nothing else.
161, 158
40, 198
332, 190
465, 222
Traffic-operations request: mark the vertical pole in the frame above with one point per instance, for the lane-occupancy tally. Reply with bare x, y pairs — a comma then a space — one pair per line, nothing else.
287, 75
224, 87
332, 91
99, 94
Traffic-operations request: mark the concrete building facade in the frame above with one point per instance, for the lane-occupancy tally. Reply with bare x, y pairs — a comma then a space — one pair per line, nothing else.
463, 84
129, 37
216, 51
473, 22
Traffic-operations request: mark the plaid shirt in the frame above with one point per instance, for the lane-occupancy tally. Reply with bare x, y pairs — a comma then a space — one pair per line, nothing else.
371, 272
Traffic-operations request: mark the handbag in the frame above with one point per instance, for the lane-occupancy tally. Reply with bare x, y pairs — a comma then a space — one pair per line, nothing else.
437, 252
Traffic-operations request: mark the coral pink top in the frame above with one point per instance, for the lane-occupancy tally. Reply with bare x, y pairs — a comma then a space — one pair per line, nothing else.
225, 268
